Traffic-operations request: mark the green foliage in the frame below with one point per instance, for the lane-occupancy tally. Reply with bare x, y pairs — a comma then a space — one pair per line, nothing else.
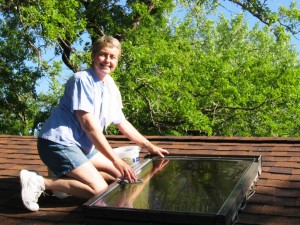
178, 76
227, 81
52, 19
17, 79
156, 85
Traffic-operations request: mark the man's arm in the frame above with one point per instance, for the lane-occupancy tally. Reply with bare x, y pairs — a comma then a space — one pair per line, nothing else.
100, 142
126, 128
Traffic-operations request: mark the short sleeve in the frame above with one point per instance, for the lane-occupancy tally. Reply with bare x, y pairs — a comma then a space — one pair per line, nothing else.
119, 117
83, 94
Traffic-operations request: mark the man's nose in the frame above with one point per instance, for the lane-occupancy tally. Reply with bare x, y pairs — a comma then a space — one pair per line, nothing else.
107, 58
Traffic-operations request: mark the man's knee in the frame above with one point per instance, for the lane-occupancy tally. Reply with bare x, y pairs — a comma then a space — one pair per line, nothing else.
98, 188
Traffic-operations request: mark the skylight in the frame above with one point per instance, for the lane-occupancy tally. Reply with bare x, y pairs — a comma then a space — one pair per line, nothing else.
179, 188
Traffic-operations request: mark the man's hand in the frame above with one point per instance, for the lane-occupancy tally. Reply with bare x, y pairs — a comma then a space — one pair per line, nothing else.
151, 148
125, 170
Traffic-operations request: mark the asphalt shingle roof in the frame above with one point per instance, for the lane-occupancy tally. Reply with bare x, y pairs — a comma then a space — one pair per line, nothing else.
276, 201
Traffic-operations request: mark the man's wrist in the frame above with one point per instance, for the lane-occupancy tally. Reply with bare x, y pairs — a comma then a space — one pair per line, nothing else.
147, 144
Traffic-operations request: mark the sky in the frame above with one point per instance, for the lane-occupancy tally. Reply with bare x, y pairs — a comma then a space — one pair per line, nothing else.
229, 9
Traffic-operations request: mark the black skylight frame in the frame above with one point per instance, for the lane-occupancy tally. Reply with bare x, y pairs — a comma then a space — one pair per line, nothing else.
226, 215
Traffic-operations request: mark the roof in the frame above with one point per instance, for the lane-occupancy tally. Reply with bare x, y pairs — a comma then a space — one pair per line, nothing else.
276, 201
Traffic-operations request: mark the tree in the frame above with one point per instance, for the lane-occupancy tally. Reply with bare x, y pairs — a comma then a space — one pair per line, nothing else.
37, 27
186, 77
227, 82
287, 18
17, 79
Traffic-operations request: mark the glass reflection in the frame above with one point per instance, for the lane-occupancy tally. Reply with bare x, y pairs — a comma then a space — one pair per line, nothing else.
195, 185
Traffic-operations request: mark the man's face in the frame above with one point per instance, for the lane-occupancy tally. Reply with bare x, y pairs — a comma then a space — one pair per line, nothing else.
105, 61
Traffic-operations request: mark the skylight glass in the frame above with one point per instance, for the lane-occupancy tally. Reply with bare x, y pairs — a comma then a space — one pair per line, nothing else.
185, 185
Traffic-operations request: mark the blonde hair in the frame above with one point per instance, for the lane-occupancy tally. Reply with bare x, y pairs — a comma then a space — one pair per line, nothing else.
106, 41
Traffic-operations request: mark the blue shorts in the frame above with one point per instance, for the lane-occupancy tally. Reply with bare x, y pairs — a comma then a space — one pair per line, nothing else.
61, 159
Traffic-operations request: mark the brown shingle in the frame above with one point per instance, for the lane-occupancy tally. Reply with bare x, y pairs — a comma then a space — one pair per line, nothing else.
276, 201
280, 170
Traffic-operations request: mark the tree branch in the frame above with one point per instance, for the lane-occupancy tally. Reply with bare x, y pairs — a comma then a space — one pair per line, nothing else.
137, 19
217, 107
256, 10
66, 55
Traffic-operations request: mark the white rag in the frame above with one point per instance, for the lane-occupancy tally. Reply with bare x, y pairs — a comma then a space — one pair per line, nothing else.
111, 102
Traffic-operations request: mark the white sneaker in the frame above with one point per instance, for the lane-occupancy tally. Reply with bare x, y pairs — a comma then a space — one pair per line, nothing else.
58, 194
32, 186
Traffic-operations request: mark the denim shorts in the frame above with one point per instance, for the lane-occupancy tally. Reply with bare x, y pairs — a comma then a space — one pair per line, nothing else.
61, 159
